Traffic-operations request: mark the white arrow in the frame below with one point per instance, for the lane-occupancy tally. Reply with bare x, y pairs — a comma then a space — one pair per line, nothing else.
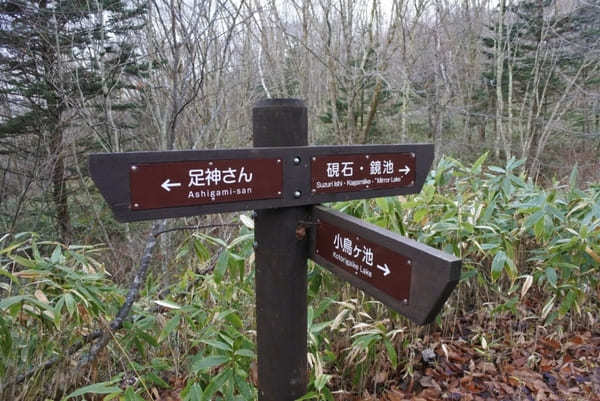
385, 269
168, 184
404, 170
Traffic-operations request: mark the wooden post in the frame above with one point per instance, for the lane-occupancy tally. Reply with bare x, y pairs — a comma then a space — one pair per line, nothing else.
281, 258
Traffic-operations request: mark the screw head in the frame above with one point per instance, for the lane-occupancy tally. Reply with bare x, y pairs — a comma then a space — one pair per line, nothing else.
136, 205
314, 158
134, 168
405, 301
278, 160
297, 160
297, 193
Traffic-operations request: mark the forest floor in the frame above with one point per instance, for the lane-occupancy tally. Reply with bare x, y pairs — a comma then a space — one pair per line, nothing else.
524, 364
484, 359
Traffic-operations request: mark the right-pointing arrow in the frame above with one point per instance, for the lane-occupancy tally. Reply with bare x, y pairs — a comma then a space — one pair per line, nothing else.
404, 170
385, 269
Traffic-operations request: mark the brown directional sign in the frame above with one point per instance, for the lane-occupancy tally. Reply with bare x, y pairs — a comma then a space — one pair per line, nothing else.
153, 185
411, 278
370, 262
159, 185
359, 172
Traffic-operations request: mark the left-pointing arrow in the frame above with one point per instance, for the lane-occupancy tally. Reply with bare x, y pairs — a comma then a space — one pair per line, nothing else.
168, 184
385, 269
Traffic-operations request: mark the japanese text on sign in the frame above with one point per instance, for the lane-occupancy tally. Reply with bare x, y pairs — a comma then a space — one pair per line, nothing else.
346, 173
202, 177
385, 269
207, 181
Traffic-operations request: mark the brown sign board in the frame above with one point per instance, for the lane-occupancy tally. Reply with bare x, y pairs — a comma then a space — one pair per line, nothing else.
159, 185
359, 172
152, 185
412, 278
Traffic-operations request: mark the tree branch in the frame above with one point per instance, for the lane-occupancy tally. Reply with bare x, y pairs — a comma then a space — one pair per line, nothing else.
196, 227
134, 289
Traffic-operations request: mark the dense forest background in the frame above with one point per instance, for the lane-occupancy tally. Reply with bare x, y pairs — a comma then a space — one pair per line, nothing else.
508, 91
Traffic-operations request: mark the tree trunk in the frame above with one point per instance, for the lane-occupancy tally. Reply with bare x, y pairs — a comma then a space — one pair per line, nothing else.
59, 187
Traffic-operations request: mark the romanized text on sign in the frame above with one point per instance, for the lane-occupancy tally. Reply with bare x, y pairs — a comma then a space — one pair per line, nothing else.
349, 173
159, 185
381, 267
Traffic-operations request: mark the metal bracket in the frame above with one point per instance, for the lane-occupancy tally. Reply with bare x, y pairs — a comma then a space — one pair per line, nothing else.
302, 226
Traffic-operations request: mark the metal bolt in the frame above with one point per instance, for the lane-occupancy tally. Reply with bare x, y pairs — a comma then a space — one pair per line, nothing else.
133, 168
278, 192
278, 160
405, 301
412, 154
210, 163
136, 205
297, 160
409, 262
314, 158
297, 193
367, 156
313, 190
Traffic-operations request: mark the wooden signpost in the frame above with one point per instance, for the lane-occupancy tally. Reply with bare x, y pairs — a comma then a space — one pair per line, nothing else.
282, 178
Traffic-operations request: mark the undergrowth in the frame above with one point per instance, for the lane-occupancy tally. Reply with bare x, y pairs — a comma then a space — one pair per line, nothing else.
529, 254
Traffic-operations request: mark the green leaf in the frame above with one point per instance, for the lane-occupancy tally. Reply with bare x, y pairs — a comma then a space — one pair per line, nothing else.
496, 169
321, 381
96, 388
218, 344
209, 362
476, 169
24, 262
498, 265
69, 303
567, 303
221, 266
9, 248
169, 327
551, 276
216, 384
240, 239
57, 256
532, 219
573, 177
195, 393
383, 204
391, 351
201, 251
214, 240
245, 352
10, 301
131, 395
